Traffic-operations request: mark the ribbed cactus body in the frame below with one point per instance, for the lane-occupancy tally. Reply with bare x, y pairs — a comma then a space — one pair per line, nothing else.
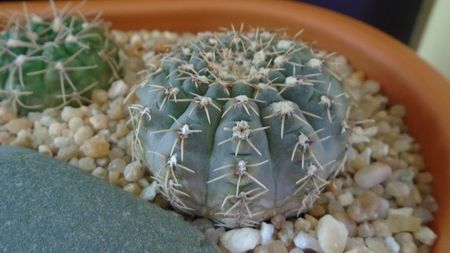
53, 62
241, 126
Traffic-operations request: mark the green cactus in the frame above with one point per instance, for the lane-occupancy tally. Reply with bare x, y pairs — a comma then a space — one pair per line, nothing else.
240, 126
50, 62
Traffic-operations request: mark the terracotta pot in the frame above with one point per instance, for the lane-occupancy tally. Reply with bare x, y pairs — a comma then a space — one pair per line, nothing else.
405, 78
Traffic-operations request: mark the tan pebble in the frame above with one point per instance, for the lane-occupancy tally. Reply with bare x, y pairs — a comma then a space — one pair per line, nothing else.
118, 88
406, 242
286, 234
317, 211
350, 224
95, 147
24, 139
365, 207
429, 202
301, 225
45, 150
277, 246
354, 243
424, 249
56, 129
312, 220
99, 121
381, 228
99, 96
6, 138
113, 177
15, 125
403, 223
117, 165
424, 177
372, 175
100, 173
116, 110
67, 153
365, 230
143, 182
40, 135
122, 129
296, 250
398, 189
6, 115
134, 188
278, 221
261, 249
133, 171
331, 234
82, 134
69, 112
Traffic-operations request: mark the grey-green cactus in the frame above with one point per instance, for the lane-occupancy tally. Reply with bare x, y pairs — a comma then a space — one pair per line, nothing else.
49, 62
240, 126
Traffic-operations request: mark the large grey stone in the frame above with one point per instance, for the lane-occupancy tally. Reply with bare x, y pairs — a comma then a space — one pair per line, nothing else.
48, 206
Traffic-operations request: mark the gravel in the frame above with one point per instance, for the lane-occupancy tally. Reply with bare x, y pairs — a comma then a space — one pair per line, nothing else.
381, 202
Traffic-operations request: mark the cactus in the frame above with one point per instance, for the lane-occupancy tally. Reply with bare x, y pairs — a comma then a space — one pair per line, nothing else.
240, 126
50, 62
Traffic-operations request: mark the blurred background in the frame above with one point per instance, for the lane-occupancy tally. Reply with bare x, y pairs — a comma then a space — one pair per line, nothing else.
423, 25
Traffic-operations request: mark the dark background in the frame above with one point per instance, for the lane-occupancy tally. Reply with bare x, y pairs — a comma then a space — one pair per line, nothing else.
395, 17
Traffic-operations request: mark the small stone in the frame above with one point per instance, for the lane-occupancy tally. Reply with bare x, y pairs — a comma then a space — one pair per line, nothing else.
69, 112
398, 189
401, 211
67, 153
332, 234
354, 243
313, 221
345, 199
15, 125
115, 110
296, 250
425, 235
406, 242
102, 162
424, 178
381, 228
100, 173
118, 88
99, 96
277, 246
349, 223
302, 225
372, 175
286, 234
266, 232
317, 211
133, 188
117, 165
113, 177
240, 240
82, 134
6, 115
45, 150
133, 171
260, 249
403, 223
377, 245
365, 230
367, 206
75, 123
143, 182
99, 121
61, 142
95, 147
423, 214
306, 241
86, 164
278, 220
392, 245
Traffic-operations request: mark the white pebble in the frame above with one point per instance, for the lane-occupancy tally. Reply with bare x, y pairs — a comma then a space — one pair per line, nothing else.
240, 240
345, 199
100, 173
266, 232
372, 175
15, 125
332, 234
149, 192
117, 165
425, 235
306, 241
82, 134
398, 189
118, 88
86, 164
407, 211
75, 123
392, 244
133, 172
61, 142
45, 149
56, 129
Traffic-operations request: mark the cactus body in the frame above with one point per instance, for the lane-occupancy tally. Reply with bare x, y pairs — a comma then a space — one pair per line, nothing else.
53, 62
239, 126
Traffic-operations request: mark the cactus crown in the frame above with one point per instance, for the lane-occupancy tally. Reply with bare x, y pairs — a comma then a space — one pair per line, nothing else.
49, 62
240, 126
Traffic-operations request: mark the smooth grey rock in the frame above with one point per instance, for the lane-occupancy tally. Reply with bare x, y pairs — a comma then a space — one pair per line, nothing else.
48, 206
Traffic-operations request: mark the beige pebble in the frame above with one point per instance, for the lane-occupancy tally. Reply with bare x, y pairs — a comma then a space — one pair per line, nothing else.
95, 147
365, 230
87, 164
366, 206
240, 240
425, 235
406, 242
381, 228
286, 234
69, 112
6, 115
100, 173
301, 225
99, 121
133, 188
99, 96
403, 223
82, 134
67, 153
398, 189
113, 177
331, 234
45, 150
15, 125
377, 245
372, 175
277, 246
75, 123
117, 89
56, 129
278, 220
117, 165
133, 171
